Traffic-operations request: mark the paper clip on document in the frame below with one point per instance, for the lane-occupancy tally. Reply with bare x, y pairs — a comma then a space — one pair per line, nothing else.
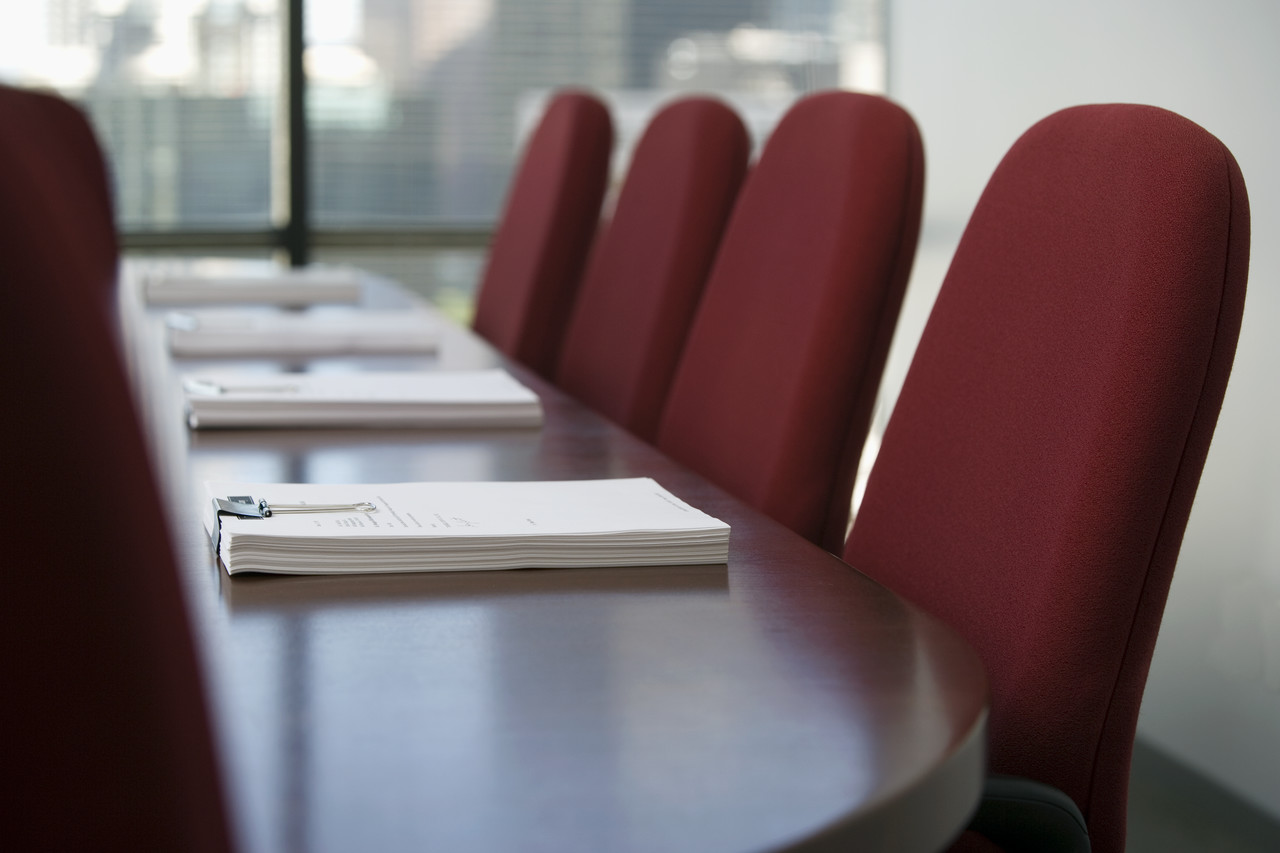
244, 506
207, 387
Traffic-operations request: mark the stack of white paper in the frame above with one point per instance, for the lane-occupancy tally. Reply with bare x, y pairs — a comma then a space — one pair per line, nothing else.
213, 334
415, 527
237, 281
448, 399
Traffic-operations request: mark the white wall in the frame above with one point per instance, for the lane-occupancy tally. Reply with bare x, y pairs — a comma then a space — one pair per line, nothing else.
975, 75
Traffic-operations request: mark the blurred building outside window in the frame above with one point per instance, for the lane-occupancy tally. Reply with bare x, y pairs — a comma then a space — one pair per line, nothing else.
415, 109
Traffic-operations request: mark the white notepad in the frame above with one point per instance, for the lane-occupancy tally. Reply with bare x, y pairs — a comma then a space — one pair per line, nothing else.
246, 333
441, 399
214, 281
416, 527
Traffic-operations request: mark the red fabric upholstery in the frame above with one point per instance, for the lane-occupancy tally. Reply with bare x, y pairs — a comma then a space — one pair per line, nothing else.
649, 265
106, 740
52, 143
551, 215
1036, 475
774, 392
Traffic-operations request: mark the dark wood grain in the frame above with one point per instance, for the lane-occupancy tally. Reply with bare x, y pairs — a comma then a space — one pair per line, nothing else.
781, 701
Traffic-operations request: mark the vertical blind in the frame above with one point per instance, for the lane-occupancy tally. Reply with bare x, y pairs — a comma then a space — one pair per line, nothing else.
415, 108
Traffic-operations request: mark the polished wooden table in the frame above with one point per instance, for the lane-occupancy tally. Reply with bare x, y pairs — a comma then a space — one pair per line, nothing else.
781, 701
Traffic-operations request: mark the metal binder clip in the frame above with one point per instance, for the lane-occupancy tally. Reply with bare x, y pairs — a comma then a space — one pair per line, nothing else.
244, 506
268, 509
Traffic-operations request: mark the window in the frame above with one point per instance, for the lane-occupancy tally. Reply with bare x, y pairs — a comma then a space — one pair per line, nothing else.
413, 110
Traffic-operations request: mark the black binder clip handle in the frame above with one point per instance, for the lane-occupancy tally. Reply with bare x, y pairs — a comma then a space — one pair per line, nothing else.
244, 506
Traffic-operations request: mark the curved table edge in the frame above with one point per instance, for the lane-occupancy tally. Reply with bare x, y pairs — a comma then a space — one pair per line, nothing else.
924, 817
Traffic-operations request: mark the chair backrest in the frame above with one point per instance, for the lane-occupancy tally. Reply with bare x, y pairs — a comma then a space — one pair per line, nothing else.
647, 269
53, 145
774, 392
550, 217
107, 741
1036, 475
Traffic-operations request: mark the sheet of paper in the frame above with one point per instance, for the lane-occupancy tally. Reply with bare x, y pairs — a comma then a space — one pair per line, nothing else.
265, 333
392, 398
211, 281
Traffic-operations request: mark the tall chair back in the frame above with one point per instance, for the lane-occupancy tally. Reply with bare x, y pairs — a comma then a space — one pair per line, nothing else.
649, 265
107, 741
551, 214
52, 144
774, 392
1037, 472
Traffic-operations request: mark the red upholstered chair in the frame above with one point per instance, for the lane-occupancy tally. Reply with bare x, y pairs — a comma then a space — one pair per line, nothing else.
551, 214
52, 143
649, 265
107, 744
773, 395
1036, 475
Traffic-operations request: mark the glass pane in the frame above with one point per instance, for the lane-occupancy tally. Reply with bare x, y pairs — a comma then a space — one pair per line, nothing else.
418, 107
181, 92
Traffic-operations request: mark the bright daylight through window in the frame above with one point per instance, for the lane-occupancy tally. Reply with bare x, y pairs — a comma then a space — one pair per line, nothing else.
414, 108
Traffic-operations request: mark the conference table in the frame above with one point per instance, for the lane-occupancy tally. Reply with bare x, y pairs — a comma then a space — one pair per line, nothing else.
780, 701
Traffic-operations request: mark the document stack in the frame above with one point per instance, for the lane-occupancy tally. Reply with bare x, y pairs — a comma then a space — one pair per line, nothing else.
267, 334
423, 527
213, 281
452, 399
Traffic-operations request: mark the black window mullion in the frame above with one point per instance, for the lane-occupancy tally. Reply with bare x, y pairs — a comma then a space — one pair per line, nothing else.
296, 229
